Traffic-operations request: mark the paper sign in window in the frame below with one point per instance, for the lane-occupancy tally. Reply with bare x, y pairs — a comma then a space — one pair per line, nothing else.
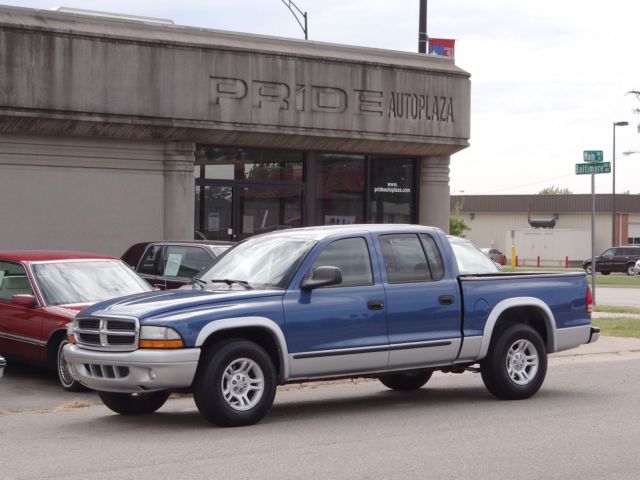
173, 264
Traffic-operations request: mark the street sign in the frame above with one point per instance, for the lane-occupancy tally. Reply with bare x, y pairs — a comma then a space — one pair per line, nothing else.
592, 156
593, 168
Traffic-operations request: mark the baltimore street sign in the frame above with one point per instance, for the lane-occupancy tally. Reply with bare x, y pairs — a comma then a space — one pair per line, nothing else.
593, 168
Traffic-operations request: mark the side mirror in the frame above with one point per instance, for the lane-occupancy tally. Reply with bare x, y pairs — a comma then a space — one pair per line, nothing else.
322, 277
24, 300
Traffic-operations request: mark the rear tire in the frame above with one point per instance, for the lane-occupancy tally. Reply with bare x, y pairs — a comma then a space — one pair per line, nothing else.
516, 363
134, 403
605, 273
630, 269
236, 385
406, 381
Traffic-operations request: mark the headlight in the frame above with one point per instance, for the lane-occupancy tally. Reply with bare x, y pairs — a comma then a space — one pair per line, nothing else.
159, 337
71, 338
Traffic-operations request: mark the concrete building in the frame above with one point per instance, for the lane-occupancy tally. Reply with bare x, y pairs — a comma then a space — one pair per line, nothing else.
494, 220
114, 131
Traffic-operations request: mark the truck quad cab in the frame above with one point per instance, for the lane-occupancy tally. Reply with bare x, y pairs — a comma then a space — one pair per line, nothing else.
394, 302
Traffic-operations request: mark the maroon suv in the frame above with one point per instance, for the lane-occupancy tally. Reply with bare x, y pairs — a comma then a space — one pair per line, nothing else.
172, 264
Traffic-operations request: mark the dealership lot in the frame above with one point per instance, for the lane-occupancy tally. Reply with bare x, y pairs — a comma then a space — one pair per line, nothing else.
580, 425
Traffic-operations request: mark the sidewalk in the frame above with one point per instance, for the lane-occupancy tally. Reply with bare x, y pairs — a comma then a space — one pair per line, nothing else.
596, 315
604, 345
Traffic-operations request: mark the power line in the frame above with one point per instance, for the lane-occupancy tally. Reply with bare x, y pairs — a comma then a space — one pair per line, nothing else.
511, 187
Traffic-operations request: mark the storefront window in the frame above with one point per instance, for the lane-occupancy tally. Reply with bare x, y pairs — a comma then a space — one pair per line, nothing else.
339, 183
391, 190
250, 165
265, 209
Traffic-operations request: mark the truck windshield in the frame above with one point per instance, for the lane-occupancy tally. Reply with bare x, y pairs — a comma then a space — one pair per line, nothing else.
261, 262
86, 281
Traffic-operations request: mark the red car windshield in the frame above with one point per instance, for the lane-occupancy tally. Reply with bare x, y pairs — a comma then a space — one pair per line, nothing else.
73, 282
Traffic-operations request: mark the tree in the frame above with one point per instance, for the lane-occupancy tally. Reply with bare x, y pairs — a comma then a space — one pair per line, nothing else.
457, 226
553, 190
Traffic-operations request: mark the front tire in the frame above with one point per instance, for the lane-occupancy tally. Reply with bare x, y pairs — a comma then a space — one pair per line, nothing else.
236, 385
406, 381
587, 269
134, 403
516, 363
65, 378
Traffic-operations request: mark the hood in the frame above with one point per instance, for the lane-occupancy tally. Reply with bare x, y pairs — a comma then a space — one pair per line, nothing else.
66, 311
160, 303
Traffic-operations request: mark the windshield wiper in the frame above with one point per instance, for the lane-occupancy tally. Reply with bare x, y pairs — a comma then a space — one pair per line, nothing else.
230, 282
199, 281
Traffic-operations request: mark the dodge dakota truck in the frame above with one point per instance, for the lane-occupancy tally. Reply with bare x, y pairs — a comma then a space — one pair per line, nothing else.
393, 302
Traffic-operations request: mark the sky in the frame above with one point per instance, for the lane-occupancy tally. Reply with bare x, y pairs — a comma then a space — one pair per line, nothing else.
548, 77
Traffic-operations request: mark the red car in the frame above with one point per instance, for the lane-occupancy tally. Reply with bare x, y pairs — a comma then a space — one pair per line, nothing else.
41, 291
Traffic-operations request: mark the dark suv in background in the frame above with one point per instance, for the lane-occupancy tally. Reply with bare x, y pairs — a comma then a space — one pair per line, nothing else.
615, 259
166, 264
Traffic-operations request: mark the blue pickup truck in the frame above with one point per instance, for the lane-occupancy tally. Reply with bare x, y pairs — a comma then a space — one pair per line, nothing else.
393, 302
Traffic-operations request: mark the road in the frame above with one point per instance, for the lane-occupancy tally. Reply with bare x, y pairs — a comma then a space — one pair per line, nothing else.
583, 424
619, 296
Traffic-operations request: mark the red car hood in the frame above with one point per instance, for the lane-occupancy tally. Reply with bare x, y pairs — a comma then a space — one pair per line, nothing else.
68, 311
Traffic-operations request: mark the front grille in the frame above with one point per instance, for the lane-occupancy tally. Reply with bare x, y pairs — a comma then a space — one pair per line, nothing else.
106, 371
96, 333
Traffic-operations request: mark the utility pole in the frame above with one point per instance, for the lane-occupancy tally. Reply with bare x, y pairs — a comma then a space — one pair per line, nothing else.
422, 28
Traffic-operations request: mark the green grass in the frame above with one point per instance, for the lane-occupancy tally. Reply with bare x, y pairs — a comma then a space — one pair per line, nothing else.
619, 327
620, 280
615, 309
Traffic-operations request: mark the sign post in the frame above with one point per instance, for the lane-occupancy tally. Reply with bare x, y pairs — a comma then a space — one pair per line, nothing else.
593, 165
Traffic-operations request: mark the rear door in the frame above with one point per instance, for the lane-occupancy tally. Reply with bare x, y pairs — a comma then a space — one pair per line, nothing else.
423, 301
341, 328
148, 266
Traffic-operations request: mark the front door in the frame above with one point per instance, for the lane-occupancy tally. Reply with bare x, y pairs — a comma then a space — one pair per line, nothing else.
341, 328
20, 326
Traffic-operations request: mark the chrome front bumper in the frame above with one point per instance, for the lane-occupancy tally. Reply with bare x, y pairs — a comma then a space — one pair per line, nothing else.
132, 372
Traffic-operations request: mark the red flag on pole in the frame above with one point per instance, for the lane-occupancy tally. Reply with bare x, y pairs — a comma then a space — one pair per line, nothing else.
444, 47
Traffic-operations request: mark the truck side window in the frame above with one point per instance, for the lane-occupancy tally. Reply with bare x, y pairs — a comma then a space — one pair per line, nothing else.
433, 255
351, 255
404, 258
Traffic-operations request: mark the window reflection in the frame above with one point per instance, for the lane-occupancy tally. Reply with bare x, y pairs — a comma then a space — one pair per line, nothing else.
339, 186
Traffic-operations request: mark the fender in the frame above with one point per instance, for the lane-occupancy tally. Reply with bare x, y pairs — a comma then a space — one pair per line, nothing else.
246, 322
504, 305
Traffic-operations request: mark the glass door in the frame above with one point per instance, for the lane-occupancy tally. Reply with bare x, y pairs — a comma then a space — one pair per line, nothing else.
213, 212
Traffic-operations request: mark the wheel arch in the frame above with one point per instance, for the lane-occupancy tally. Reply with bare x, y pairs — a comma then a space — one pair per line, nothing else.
260, 330
526, 310
51, 348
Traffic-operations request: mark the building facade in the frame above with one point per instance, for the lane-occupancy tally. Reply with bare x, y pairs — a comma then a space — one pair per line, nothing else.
115, 131
495, 219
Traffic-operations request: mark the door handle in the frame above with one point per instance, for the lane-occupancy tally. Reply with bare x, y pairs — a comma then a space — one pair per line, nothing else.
445, 299
375, 304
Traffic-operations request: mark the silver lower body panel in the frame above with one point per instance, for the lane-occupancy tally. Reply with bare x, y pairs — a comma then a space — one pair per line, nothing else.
133, 372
